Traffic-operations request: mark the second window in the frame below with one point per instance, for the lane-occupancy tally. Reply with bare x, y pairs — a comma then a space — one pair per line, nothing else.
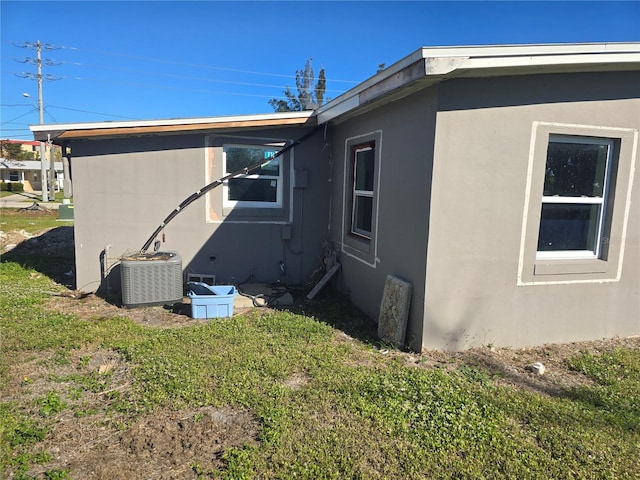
259, 188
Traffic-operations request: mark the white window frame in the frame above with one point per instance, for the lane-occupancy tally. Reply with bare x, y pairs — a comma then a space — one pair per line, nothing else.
567, 200
561, 271
15, 174
360, 193
279, 179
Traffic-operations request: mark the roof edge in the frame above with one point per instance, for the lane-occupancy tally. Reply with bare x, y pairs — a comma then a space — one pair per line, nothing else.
440, 63
429, 65
88, 129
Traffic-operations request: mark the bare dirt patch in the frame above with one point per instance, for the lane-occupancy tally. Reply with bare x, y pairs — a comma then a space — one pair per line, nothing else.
91, 439
10, 238
94, 307
168, 444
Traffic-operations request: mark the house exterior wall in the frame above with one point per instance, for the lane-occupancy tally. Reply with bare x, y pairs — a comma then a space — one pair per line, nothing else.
125, 187
29, 182
483, 146
28, 172
403, 135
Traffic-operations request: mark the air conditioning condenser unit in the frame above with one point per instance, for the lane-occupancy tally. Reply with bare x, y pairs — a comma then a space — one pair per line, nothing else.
151, 279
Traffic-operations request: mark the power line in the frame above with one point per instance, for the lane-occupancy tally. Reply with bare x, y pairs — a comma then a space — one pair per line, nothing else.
34, 61
57, 107
19, 136
209, 67
39, 62
185, 77
88, 111
18, 117
163, 61
185, 64
172, 87
192, 90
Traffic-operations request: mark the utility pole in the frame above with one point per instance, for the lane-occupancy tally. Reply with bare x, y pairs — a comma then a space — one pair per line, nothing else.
43, 163
40, 77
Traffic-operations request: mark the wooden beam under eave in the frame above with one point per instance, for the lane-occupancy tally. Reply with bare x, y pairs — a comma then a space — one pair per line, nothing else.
158, 129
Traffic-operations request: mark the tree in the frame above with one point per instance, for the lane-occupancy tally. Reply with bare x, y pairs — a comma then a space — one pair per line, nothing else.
309, 96
14, 151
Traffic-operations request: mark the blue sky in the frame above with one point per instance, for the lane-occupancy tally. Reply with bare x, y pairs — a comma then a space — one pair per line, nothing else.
160, 59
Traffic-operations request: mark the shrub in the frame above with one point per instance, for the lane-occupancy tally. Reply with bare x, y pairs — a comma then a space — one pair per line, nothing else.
11, 187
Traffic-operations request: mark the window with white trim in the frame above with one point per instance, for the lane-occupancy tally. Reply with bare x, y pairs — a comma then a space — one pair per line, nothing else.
574, 197
577, 202
14, 176
363, 174
260, 188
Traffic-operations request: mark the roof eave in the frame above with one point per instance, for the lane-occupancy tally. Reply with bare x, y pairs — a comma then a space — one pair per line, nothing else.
425, 66
167, 126
428, 66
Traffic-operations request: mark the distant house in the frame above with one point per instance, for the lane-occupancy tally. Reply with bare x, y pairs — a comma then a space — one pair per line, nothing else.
28, 170
500, 181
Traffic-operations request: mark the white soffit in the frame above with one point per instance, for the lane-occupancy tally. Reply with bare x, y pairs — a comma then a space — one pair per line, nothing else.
530, 50
445, 62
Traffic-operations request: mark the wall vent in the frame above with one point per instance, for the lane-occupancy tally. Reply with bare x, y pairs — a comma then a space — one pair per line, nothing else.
151, 279
207, 278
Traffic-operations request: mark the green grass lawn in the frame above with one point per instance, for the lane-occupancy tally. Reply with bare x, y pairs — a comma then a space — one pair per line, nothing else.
357, 414
58, 196
31, 221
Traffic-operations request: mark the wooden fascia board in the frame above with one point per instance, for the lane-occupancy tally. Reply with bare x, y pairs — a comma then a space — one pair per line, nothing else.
164, 129
392, 96
398, 80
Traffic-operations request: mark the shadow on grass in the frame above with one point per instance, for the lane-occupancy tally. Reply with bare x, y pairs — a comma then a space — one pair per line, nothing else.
51, 253
335, 309
25, 195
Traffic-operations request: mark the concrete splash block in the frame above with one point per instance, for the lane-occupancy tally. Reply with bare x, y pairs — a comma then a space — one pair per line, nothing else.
394, 310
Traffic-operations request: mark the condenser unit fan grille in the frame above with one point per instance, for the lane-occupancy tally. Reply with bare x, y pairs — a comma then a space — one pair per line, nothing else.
151, 279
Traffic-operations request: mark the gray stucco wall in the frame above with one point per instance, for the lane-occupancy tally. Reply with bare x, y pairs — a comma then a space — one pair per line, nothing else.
125, 187
404, 135
452, 183
482, 148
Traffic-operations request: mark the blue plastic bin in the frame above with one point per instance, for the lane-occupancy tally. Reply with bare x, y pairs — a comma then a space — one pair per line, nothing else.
211, 301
